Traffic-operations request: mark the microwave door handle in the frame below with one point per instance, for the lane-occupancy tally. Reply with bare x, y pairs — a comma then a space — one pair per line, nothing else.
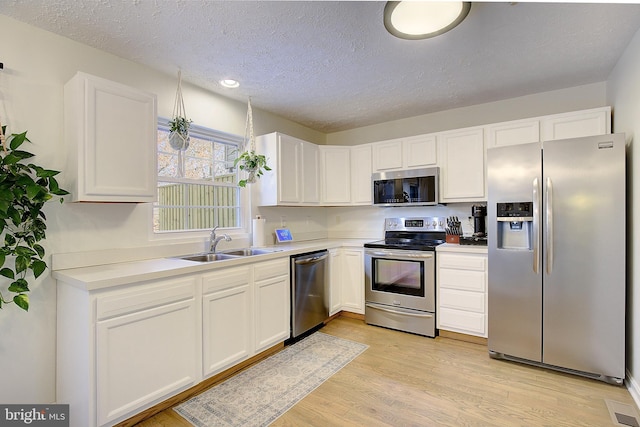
536, 225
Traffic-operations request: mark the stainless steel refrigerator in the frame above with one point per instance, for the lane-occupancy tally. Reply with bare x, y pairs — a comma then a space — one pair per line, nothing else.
556, 227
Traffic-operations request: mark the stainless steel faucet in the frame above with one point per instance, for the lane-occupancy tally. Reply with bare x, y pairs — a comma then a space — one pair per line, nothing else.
213, 240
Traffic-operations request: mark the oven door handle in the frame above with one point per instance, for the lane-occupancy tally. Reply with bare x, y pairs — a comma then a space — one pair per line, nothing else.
401, 254
388, 310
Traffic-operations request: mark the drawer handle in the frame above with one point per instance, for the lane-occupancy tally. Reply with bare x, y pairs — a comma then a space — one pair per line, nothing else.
388, 310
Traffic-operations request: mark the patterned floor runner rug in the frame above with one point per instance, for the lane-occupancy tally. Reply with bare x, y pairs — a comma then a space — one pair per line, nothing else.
260, 394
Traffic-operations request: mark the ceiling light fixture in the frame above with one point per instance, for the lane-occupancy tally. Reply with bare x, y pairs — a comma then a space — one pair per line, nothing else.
414, 20
230, 83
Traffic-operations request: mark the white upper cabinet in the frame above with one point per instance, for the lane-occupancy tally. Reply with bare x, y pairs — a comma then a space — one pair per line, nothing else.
310, 173
346, 175
419, 151
462, 165
387, 155
576, 124
110, 134
336, 175
405, 153
288, 169
361, 174
294, 178
512, 133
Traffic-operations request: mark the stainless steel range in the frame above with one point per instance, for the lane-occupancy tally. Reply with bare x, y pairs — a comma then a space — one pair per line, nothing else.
400, 275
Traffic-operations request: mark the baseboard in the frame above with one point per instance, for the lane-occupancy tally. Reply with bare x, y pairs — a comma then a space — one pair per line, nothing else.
634, 388
352, 315
463, 337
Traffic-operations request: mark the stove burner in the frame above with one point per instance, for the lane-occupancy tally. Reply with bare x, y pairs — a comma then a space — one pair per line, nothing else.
418, 234
429, 245
409, 241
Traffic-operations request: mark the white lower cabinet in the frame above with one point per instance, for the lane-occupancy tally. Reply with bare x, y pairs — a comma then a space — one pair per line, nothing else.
462, 293
335, 281
272, 303
226, 295
147, 347
122, 350
346, 280
352, 278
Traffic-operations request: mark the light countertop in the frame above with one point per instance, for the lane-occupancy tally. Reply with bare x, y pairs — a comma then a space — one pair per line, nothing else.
108, 275
451, 247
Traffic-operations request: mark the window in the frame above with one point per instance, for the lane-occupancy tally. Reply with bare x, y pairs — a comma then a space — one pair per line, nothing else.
197, 188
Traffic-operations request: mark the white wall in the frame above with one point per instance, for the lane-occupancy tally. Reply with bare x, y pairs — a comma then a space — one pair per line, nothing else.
623, 93
36, 66
539, 104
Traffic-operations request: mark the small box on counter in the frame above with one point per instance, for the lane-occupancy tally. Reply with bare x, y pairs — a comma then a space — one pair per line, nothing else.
453, 238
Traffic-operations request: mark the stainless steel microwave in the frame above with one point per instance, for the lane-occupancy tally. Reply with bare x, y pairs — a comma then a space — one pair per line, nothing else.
413, 187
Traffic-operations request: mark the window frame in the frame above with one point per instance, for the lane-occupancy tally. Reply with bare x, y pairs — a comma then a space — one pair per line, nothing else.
243, 204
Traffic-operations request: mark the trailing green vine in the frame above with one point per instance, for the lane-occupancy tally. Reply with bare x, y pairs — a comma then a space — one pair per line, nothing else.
254, 164
24, 189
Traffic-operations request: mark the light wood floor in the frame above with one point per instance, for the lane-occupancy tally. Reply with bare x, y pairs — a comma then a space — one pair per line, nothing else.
408, 380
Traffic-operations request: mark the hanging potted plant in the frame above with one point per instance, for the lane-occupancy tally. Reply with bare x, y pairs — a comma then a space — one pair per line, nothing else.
179, 133
24, 189
179, 125
254, 164
249, 161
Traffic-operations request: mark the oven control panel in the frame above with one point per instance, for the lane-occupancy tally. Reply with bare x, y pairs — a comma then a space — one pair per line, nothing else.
427, 223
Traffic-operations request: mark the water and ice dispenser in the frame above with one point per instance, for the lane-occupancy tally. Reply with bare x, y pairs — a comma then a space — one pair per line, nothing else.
515, 225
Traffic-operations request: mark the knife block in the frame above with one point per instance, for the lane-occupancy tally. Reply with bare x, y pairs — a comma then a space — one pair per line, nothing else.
453, 238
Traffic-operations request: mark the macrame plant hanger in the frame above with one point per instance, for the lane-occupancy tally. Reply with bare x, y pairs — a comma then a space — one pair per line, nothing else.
249, 137
179, 138
250, 143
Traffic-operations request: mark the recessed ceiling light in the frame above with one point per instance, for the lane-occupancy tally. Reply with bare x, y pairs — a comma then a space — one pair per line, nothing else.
230, 83
415, 20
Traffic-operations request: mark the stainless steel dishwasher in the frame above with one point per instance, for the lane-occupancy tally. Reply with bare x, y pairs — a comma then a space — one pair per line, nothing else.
309, 291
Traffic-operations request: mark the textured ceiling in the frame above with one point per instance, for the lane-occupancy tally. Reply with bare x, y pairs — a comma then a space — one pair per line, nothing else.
332, 66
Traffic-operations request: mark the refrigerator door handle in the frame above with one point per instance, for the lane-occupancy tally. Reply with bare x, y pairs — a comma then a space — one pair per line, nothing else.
536, 224
549, 225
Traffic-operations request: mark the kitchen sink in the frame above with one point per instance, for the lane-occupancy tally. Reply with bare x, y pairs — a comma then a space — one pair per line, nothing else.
249, 251
207, 257
229, 254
